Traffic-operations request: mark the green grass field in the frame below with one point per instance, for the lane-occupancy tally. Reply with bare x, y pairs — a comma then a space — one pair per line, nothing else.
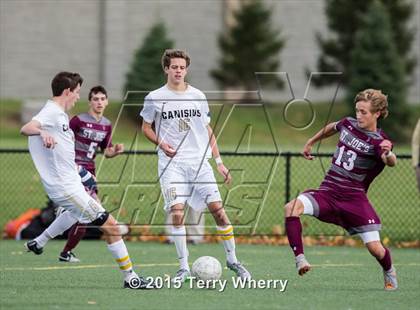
342, 278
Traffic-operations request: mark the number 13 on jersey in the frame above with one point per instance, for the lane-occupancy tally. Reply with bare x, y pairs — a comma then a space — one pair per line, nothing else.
348, 161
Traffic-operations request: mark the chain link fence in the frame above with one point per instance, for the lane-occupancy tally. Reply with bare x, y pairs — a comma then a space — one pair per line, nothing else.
262, 183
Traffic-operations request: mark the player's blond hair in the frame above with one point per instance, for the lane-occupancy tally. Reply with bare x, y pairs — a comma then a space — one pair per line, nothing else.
172, 53
378, 101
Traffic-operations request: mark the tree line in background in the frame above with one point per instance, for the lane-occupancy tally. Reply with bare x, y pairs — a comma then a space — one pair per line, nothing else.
370, 43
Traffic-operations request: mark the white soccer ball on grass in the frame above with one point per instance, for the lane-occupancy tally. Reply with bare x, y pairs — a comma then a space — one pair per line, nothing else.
207, 268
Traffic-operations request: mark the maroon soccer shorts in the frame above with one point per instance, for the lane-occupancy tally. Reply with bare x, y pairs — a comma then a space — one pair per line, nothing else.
350, 209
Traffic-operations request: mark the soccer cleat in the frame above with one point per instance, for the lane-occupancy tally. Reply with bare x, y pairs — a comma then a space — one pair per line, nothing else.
239, 269
302, 264
182, 275
390, 279
139, 283
32, 246
68, 257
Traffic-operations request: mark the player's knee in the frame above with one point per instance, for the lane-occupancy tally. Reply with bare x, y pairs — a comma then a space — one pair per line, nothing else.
376, 249
293, 208
177, 220
220, 217
177, 217
110, 227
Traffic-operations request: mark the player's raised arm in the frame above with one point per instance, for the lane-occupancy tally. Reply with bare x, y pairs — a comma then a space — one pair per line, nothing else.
151, 135
388, 157
216, 155
33, 128
114, 150
325, 132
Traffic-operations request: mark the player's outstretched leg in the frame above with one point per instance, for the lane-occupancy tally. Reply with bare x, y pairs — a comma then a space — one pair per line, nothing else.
180, 240
76, 233
119, 251
293, 210
63, 222
225, 231
383, 256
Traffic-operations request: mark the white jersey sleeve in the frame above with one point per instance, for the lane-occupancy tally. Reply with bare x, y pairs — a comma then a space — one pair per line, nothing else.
56, 166
149, 110
206, 111
45, 118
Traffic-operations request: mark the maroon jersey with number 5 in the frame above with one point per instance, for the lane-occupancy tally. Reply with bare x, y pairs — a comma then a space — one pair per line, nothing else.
90, 135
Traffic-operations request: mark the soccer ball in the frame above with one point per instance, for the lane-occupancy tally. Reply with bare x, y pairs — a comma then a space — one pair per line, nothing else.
207, 268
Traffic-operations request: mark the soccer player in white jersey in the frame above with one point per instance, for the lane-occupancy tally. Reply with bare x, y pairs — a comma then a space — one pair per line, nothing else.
185, 141
51, 144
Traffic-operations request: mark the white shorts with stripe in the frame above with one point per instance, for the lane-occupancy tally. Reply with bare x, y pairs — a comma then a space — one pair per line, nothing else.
182, 183
80, 205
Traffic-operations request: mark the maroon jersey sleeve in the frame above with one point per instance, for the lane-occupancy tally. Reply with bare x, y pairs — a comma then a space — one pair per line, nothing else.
378, 150
107, 142
339, 124
75, 124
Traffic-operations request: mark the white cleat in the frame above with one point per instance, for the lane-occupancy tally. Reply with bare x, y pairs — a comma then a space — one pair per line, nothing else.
390, 279
240, 270
182, 275
302, 265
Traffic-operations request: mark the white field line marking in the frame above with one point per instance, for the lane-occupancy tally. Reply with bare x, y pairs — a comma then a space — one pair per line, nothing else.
352, 264
160, 265
82, 267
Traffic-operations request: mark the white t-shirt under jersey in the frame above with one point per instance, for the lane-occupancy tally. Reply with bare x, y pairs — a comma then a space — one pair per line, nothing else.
181, 120
56, 166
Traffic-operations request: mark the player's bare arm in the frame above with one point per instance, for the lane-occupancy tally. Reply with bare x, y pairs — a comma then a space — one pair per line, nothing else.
325, 132
114, 150
221, 168
388, 157
33, 128
151, 135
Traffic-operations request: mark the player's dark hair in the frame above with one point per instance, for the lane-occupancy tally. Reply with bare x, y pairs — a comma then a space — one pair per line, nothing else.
65, 80
97, 89
171, 53
378, 101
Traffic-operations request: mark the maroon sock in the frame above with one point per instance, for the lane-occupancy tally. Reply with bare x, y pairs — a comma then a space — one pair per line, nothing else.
294, 234
76, 233
386, 261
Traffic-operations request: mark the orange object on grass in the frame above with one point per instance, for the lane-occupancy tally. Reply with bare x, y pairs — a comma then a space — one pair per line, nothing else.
13, 226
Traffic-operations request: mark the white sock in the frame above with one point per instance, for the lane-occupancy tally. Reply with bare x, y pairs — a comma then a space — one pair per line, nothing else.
226, 233
180, 240
63, 222
120, 253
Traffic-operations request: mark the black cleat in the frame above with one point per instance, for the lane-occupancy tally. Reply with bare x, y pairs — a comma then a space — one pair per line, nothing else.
139, 283
68, 257
32, 246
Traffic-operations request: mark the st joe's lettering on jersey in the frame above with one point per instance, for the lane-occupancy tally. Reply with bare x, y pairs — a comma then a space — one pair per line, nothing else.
353, 142
94, 135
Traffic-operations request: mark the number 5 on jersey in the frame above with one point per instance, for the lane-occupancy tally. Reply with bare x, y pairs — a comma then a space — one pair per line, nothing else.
91, 150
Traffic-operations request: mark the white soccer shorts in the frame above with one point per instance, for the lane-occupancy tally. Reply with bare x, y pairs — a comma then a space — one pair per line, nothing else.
81, 206
194, 184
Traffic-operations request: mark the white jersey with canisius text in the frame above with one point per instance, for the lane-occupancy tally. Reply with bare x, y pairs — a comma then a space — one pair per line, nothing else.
181, 120
56, 165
